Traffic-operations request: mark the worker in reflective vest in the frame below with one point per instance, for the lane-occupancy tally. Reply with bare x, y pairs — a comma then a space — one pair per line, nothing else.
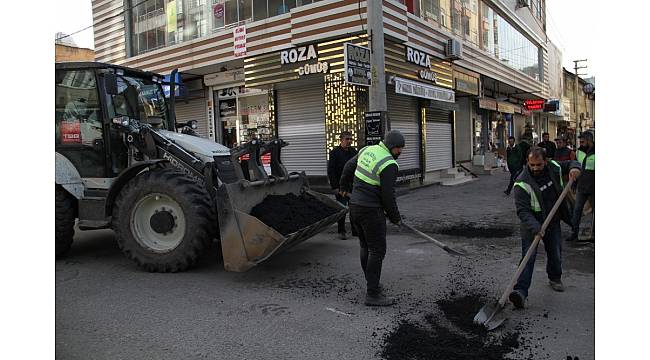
585, 189
370, 177
537, 188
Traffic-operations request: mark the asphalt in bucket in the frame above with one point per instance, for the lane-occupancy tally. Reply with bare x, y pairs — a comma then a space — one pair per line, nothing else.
289, 213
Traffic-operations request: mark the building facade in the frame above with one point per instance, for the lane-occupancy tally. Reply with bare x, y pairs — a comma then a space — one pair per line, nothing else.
274, 68
581, 117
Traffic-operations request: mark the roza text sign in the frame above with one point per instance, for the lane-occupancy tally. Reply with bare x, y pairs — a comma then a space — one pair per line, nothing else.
301, 54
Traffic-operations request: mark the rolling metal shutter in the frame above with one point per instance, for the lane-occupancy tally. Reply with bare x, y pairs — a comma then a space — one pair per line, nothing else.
438, 141
301, 123
404, 116
194, 110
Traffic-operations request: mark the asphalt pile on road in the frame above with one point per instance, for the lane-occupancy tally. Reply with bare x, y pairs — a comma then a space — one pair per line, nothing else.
434, 338
444, 328
289, 213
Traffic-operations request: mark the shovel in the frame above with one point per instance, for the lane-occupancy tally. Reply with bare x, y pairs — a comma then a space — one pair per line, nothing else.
451, 251
490, 315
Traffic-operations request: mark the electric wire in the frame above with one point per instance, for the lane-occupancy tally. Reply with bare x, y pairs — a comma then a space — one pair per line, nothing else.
102, 20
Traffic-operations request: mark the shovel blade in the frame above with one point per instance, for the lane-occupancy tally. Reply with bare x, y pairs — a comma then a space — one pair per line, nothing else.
490, 316
456, 252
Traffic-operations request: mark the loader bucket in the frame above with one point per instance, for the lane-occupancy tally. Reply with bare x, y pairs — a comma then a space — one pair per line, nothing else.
245, 240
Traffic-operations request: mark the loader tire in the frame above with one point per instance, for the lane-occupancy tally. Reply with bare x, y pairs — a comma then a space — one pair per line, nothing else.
164, 221
64, 216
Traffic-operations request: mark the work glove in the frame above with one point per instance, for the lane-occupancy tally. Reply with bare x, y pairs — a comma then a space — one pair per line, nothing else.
396, 219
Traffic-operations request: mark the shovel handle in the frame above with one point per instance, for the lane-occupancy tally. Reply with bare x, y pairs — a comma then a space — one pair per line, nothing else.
533, 246
424, 236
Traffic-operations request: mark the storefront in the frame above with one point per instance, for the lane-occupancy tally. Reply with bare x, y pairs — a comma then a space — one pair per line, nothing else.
191, 104
421, 105
308, 103
240, 113
467, 86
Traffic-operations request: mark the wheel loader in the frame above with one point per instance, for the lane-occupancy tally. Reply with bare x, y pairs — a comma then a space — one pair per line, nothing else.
121, 164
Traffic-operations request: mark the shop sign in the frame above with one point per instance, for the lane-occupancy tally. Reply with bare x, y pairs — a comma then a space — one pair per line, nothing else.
299, 54
552, 106
534, 104
239, 40
413, 88
319, 67
427, 75
357, 65
224, 78
418, 57
467, 86
70, 132
218, 10
517, 109
373, 122
408, 175
505, 107
489, 104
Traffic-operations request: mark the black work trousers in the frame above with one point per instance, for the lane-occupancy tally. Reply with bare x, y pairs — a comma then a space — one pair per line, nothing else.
344, 200
513, 176
370, 224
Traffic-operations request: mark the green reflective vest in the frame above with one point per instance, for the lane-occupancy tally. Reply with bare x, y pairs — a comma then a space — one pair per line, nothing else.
372, 161
534, 201
559, 169
591, 160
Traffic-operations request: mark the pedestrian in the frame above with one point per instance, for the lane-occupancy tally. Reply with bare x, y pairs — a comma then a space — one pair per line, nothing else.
547, 145
337, 159
514, 158
536, 190
585, 189
524, 145
370, 177
562, 152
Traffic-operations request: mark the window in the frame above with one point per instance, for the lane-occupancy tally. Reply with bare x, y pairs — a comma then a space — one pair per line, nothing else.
159, 23
514, 50
149, 24
277, 7
430, 11
260, 11
78, 121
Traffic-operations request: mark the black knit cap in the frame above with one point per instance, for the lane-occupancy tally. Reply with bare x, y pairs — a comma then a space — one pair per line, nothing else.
394, 138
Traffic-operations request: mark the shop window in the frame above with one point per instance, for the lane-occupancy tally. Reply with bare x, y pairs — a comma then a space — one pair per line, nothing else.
245, 114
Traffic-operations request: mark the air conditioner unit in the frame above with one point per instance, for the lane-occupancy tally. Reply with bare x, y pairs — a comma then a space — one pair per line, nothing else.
454, 49
523, 3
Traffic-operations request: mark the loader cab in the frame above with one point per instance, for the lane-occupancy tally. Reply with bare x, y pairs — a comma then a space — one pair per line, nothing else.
87, 97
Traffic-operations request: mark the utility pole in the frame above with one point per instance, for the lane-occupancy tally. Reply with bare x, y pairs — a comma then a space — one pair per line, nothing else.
377, 92
575, 97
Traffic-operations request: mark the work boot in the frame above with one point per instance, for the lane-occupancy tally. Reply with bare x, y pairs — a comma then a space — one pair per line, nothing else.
379, 300
517, 299
343, 236
556, 285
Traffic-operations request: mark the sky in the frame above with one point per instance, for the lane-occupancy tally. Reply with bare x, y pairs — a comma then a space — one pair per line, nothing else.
74, 15
570, 26
567, 24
